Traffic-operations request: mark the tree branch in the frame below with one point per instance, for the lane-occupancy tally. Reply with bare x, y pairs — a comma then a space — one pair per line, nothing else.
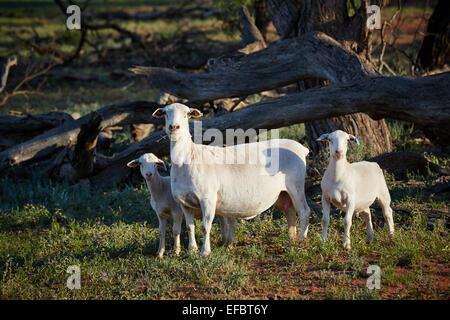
313, 55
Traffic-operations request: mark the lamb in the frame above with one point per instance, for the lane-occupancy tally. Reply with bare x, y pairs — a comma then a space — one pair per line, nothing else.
165, 206
201, 179
352, 187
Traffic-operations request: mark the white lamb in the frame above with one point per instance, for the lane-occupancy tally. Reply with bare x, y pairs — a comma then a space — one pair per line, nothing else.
166, 207
352, 187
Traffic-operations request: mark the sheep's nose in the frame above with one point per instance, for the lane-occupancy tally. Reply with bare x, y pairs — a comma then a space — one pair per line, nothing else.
148, 175
173, 127
339, 152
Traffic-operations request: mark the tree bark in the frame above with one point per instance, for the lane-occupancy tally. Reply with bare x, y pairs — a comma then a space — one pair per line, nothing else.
84, 151
252, 39
262, 20
435, 49
294, 18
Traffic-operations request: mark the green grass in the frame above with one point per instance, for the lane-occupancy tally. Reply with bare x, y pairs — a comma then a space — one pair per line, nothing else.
112, 235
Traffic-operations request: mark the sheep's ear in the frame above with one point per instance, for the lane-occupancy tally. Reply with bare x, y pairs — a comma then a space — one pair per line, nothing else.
194, 113
323, 137
354, 139
159, 113
161, 164
133, 163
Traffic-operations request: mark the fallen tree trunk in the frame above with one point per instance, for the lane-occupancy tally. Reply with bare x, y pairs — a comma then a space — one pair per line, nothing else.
50, 141
15, 130
422, 100
84, 151
314, 55
404, 162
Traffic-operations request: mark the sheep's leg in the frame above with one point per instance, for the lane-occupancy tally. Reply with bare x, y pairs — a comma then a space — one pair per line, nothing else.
387, 212
224, 229
291, 216
369, 227
302, 207
368, 219
232, 222
326, 208
348, 223
208, 206
162, 237
176, 229
190, 225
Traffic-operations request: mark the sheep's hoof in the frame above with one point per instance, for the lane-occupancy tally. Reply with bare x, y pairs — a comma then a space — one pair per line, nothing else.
159, 255
205, 253
176, 252
347, 246
192, 251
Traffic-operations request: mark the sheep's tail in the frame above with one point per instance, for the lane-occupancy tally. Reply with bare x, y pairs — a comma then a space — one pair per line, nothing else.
141, 70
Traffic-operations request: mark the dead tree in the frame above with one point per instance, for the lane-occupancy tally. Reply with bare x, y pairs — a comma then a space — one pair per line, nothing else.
294, 18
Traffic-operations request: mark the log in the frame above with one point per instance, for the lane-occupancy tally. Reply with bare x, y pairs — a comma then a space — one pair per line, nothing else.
15, 130
84, 151
400, 163
312, 56
49, 142
422, 100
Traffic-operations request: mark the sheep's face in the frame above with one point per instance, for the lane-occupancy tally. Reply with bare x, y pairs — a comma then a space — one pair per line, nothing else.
148, 164
338, 142
177, 119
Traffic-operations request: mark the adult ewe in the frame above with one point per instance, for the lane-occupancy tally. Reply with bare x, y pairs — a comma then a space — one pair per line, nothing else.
352, 187
166, 207
210, 178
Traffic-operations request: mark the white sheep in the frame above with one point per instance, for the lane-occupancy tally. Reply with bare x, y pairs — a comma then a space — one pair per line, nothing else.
201, 179
352, 187
166, 207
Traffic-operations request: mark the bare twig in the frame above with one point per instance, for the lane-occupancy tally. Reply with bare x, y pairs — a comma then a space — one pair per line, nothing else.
382, 35
28, 77
6, 64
